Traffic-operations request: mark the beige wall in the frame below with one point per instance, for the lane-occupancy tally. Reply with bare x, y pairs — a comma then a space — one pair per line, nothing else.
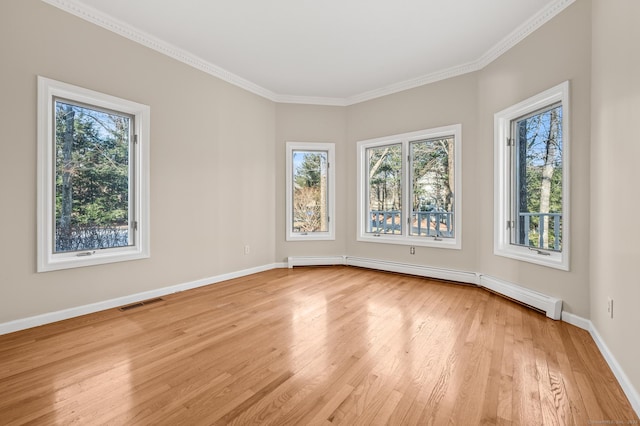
212, 162
446, 102
615, 150
311, 123
558, 51
204, 130
218, 157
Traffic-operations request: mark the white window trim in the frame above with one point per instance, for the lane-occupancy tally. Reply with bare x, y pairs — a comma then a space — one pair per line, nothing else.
405, 139
331, 187
47, 260
502, 123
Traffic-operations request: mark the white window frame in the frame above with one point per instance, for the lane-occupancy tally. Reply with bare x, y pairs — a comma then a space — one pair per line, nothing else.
329, 148
47, 260
503, 175
405, 139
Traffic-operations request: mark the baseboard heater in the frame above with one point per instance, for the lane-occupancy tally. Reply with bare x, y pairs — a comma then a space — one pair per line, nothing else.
315, 260
550, 306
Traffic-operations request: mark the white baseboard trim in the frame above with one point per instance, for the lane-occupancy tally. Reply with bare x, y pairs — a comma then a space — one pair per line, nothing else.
627, 387
315, 260
579, 322
37, 320
552, 306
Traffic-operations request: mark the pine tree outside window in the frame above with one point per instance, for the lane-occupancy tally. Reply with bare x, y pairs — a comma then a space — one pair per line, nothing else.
93, 185
92, 177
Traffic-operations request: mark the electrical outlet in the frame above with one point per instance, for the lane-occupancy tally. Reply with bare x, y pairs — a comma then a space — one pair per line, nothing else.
610, 307
247, 249
412, 250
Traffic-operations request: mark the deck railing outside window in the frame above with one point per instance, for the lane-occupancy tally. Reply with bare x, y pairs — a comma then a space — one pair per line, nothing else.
534, 226
385, 222
432, 224
423, 223
440, 224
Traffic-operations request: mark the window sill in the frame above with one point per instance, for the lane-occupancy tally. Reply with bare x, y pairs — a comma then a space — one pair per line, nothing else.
551, 260
313, 236
443, 243
72, 260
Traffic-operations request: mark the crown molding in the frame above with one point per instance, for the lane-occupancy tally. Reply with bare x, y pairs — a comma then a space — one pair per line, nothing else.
121, 28
520, 33
416, 82
310, 100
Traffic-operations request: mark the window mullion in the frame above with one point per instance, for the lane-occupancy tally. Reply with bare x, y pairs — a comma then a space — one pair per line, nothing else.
133, 180
407, 190
410, 188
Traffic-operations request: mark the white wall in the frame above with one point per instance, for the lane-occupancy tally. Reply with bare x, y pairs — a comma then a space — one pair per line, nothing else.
212, 162
615, 152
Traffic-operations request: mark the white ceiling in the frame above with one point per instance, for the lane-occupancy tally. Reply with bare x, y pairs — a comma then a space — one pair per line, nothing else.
335, 52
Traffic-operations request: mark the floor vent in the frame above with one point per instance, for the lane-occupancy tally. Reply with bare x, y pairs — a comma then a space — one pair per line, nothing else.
140, 304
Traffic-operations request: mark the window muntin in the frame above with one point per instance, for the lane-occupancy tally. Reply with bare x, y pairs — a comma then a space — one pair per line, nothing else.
409, 188
310, 191
93, 177
384, 171
531, 198
537, 179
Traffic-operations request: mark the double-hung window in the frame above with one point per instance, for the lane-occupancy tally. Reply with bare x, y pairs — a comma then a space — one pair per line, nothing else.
532, 179
310, 191
93, 204
409, 188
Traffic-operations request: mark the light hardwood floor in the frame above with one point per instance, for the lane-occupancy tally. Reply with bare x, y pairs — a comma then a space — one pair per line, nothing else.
325, 345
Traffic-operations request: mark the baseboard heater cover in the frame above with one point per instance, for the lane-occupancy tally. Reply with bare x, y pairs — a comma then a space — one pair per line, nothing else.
411, 269
551, 306
315, 261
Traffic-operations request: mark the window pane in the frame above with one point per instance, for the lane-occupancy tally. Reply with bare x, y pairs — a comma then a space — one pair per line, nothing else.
92, 185
538, 179
310, 195
385, 189
432, 191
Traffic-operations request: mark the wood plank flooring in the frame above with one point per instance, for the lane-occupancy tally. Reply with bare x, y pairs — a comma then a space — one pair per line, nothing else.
311, 346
